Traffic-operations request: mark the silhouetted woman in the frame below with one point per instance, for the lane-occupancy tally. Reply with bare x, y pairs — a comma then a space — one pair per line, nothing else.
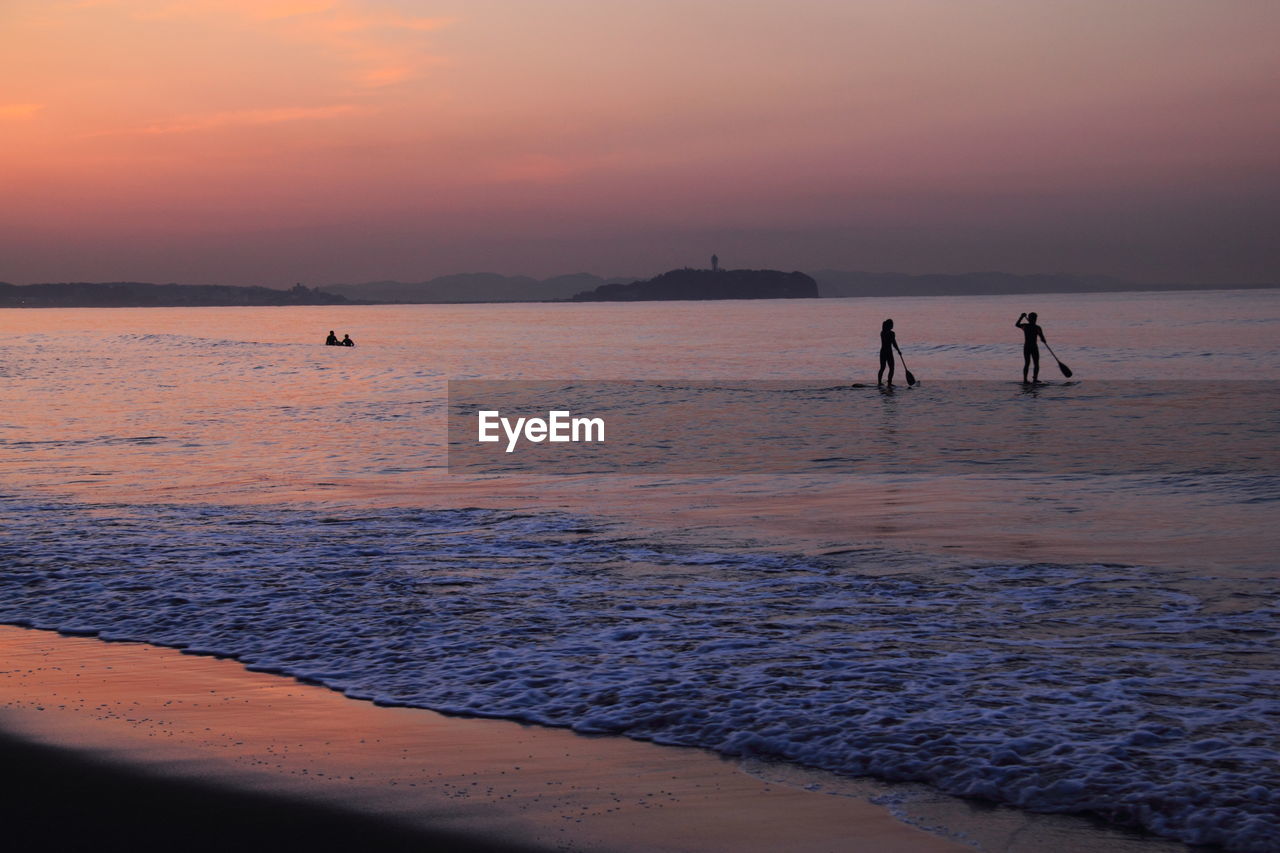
332, 340
888, 343
1030, 348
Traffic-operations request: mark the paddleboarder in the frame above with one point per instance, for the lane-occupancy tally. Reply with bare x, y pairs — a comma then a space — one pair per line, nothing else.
1031, 335
888, 343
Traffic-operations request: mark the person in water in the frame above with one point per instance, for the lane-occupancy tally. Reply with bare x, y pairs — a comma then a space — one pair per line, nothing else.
1031, 335
888, 343
332, 340
347, 342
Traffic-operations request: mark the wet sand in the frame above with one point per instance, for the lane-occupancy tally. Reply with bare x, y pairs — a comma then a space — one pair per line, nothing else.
53, 798
129, 743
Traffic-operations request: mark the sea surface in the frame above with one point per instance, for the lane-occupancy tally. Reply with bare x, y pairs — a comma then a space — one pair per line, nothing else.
1096, 634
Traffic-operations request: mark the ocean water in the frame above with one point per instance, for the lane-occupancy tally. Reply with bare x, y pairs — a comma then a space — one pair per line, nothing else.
1082, 638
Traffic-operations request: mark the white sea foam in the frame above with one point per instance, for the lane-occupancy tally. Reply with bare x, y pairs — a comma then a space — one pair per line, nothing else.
1122, 692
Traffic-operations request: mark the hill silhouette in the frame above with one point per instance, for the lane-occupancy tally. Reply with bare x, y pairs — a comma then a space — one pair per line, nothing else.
580, 287
135, 294
690, 283
474, 287
492, 287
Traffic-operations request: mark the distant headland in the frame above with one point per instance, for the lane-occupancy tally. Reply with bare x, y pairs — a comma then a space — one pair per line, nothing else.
680, 284
714, 283
583, 287
135, 294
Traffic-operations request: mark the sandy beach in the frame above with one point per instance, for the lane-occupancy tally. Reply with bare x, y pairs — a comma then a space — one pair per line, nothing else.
129, 743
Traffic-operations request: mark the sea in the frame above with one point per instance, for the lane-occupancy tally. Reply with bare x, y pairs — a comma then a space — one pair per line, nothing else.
1043, 621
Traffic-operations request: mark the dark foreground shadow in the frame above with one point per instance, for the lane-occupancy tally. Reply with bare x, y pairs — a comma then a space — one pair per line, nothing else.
53, 799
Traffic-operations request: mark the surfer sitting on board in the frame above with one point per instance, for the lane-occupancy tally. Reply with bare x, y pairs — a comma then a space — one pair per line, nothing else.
888, 343
1030, 348
347, 342
332, 340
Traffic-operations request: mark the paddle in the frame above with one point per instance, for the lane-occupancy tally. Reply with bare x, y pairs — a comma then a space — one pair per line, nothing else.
1066, 371
911, 379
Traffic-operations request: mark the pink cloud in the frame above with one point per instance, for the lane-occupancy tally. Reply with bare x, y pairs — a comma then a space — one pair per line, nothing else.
242, 118
17, 112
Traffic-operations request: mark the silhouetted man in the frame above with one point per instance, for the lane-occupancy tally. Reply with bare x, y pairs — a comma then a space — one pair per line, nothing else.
888, 343
1030, 348
347, 342
332, 340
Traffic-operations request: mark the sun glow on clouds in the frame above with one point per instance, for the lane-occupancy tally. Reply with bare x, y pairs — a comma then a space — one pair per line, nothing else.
826, 129
217, 89
338, 15
19, 111
361, 31
235, 118
263, 10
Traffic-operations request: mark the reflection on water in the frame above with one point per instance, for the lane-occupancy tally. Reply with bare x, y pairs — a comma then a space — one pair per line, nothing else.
220, 479
1000, 429
247, 405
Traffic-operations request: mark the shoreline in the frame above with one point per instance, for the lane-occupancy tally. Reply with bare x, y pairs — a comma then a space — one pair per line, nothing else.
91, 728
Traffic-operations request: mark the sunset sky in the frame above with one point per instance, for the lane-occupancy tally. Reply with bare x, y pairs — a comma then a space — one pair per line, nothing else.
323, 141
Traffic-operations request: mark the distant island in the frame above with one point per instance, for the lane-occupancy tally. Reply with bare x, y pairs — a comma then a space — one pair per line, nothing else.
685, 283
691, 283
493, 287
134, 294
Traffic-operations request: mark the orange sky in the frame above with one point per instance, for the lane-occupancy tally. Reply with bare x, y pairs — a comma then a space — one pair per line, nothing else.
272, 141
